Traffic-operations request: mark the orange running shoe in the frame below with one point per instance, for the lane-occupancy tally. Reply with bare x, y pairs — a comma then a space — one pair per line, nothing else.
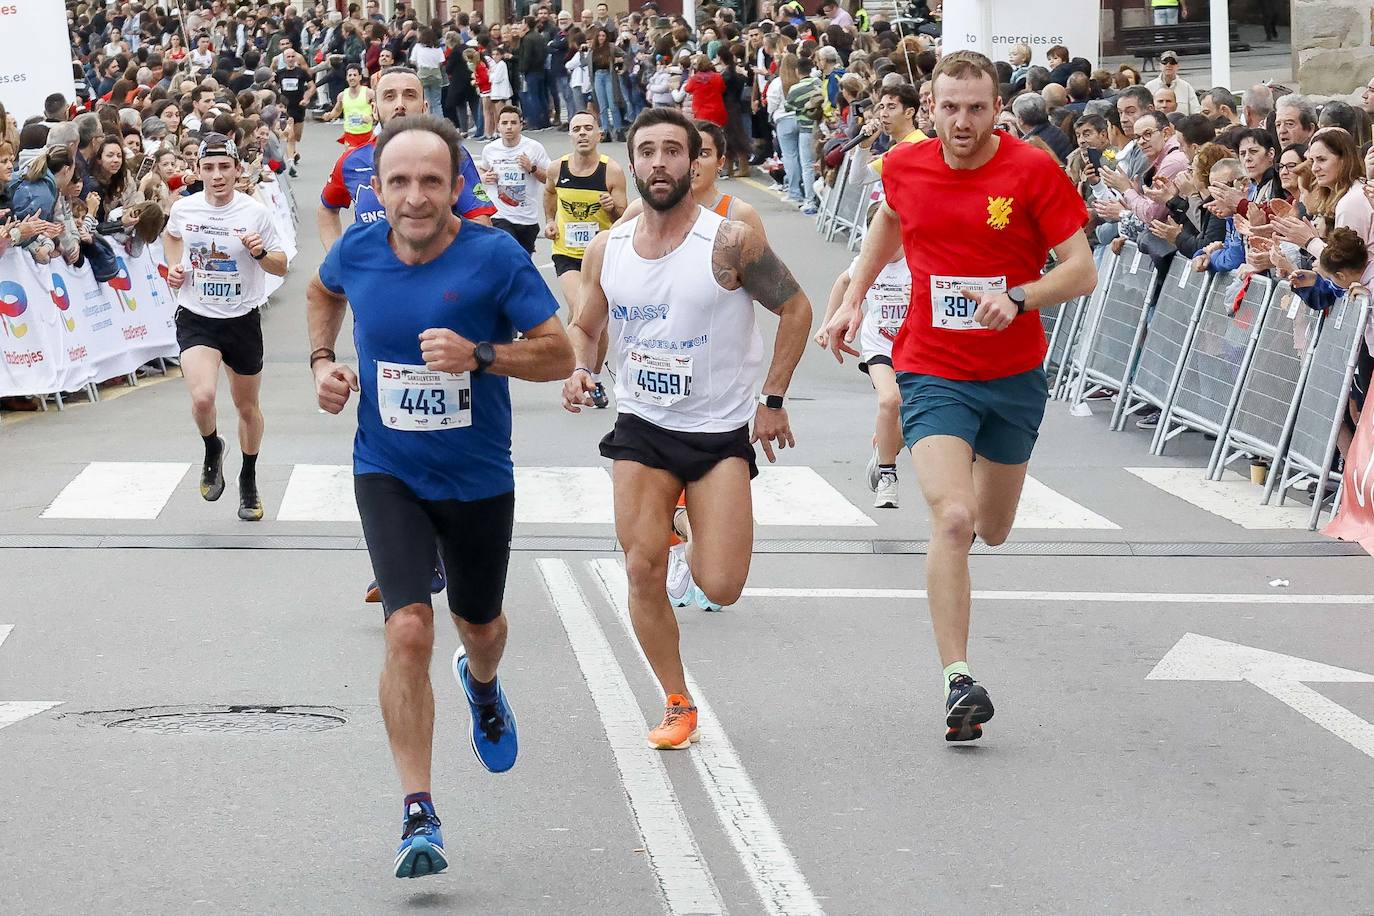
678, 728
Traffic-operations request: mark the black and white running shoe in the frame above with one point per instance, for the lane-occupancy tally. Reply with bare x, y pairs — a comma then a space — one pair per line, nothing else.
966, 709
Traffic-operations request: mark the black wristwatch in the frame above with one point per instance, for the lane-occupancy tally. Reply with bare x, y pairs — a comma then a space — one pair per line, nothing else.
773, 401
258, 257
1017, 294
485, 354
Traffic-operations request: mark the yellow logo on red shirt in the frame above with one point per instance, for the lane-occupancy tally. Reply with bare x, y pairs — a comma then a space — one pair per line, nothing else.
999, 212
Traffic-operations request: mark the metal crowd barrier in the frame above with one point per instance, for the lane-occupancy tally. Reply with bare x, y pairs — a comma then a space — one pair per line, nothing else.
1322, 405
1215, 364
1113, 337
1178, 306
1262, 421
861, 212
285, 181
850, 194
1065, 351
825, 218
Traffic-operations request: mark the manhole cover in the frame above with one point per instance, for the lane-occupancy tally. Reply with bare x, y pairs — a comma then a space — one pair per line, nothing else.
258, 720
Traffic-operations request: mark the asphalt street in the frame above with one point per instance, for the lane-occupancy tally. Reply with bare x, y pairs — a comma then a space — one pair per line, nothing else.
1184, 679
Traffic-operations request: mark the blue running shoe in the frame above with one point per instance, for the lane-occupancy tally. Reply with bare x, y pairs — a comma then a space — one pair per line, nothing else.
706, 604
967, 707
436, 585
422, 843
493, 724
439, 582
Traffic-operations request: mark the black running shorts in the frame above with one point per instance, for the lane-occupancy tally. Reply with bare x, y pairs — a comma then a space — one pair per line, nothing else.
562, 264
524, 233
688, 456
402, 530
238, 340
876, 359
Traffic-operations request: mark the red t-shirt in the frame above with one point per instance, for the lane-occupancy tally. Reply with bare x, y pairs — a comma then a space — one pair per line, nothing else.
708, 96
997, 222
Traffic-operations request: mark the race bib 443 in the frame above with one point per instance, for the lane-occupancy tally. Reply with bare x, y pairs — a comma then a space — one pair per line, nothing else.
418, 399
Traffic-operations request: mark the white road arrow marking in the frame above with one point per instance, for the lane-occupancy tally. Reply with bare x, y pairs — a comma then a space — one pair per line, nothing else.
12, 712
1202, 658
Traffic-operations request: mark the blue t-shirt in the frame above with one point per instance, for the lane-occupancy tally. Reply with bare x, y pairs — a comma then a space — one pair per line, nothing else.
483, 287
350, 184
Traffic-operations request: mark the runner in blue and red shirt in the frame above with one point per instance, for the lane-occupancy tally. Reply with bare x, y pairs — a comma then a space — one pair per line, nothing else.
977, 215
398, 93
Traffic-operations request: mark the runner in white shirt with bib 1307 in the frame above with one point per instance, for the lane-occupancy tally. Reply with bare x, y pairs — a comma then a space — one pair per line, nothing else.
220, 245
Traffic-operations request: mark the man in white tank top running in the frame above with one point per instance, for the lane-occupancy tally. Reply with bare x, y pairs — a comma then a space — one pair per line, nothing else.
677, 285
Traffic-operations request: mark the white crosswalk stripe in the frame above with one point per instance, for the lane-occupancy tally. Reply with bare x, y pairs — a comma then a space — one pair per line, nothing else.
1235, 499
783, 497
563, 495
798, 496
319, 493
1042, 507
118, 489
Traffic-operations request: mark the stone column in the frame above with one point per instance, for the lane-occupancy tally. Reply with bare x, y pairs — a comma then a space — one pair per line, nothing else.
1333, 41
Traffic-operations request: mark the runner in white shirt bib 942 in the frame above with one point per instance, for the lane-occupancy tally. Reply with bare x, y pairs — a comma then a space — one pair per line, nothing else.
514, 169
676, 285
221, 246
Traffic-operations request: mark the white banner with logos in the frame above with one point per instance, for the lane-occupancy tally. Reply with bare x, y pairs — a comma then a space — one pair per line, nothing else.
994, 27
35, 55
63, 330
60, 329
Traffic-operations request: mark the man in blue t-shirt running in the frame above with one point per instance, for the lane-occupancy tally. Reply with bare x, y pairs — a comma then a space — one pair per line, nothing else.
398, 94
431, 458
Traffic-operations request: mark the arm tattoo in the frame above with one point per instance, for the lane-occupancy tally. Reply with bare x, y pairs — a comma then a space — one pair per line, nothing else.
742, 259
765, 277
725, 254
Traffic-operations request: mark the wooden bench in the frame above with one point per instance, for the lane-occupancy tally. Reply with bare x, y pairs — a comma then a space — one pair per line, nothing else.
1148, 42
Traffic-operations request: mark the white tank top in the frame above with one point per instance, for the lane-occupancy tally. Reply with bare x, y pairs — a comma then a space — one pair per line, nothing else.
687, 352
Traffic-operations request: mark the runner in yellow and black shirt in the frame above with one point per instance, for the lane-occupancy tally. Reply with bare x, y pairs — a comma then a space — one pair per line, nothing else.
584, 195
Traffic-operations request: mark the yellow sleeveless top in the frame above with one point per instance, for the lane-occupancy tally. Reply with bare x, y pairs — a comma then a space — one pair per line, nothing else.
357, 112
580, 216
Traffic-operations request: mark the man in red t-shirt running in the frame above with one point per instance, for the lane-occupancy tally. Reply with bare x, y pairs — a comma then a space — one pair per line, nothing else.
977, 214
